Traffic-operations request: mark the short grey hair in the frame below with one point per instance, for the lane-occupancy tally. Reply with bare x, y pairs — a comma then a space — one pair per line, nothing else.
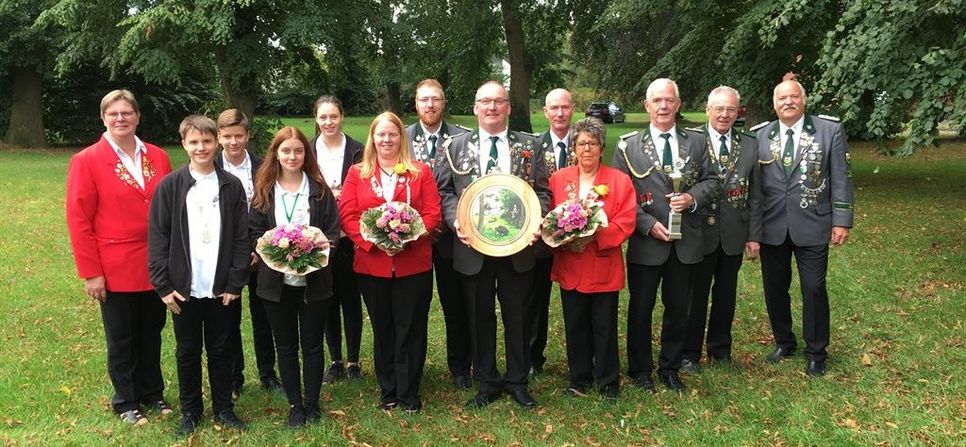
724, 89
660, 82
590, 126
120, 94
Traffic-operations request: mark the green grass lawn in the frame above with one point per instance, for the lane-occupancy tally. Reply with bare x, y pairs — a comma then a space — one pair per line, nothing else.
898, 294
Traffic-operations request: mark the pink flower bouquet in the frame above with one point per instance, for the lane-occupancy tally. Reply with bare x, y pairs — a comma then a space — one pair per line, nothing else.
294, 249
573, 220
391, 226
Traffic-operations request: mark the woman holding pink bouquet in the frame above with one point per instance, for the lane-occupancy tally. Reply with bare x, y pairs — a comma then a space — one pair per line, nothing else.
590, 268
389, 205
290, 198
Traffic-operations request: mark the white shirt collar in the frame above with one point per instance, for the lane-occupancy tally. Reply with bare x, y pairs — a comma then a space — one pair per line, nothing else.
303, 188
797, 127
428, 134
246, 164
715, 137
657, 133
484, 135
202, 177
554, 140
138, 145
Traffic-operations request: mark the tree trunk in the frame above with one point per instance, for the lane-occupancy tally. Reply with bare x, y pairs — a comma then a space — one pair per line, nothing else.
393, 97
519, 71
26, 109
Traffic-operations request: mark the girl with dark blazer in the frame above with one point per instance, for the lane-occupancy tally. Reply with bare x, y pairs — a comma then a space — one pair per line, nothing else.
335, 153
289, 189
397, 285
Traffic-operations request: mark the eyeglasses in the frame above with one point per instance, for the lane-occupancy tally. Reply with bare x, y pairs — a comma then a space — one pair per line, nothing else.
722, 109
430, 99
118, 115
486, 102
587, 145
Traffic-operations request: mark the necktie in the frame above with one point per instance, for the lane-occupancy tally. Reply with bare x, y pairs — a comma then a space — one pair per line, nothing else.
561, 155
432, 147
723, 150
491, 165
668, 162
788, 155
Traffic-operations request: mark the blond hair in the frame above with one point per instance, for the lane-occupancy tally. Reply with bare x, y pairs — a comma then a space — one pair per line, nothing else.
368, 165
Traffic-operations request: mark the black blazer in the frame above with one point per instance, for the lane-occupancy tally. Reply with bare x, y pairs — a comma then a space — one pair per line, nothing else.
324, 214
352, 155
169, 256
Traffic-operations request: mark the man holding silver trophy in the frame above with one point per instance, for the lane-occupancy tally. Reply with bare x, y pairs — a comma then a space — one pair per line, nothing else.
670, 170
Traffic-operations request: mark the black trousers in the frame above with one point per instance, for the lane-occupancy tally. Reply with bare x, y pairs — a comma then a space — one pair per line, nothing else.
498, 279
538, 312
132, 327
459, 352
590, 322
296, 323
643, 280
399, 312
721, 269
204, 323
776, 272
261, 337
345, 296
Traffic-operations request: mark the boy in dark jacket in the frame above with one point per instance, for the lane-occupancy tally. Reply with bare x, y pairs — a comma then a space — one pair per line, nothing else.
198, 259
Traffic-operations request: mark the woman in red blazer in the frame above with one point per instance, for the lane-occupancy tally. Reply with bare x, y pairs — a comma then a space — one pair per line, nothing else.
396, 285
591, 273
109, 190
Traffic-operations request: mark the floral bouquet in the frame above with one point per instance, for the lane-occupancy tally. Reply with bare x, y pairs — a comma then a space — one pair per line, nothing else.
391, 225
575, 221
294, 249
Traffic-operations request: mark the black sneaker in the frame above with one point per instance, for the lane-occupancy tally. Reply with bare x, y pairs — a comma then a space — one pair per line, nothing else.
312, 413
228, 419
334, 373
187, 426
271, 384
296, 416
353, 372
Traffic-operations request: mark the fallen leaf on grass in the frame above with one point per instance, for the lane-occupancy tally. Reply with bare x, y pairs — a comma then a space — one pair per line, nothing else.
549, 429
866, 360
851, 423
64, 389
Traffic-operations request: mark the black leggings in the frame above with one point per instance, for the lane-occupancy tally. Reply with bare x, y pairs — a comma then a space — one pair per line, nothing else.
297, 323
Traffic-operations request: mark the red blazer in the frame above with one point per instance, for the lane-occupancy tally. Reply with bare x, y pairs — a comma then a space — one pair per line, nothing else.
357, 197
600, 267
107, 215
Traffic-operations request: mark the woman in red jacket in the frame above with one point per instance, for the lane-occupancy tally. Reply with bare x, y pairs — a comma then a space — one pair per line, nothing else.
396, 285
109, 190
591, 273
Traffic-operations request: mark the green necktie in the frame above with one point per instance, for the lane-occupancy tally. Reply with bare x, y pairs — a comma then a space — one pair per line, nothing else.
668, 161
491, 165
789, 155
723, 150
432, 149
561, 155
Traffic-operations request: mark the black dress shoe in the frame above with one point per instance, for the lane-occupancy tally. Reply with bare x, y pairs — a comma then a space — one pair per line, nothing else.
462, 382
610, 392
353, 372
189, 423
412, 408
482, 399
690, 366
523, 399
815, 368
312, 413
573, 390
645, 382
672, 381
271, 384
778, 354
296, 416
228, 419
388, 406
335, 372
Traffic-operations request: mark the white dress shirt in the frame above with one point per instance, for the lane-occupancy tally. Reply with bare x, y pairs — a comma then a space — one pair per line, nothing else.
133, 166
556, 149
388, 183
715, 138
659, 144
330, 162
243, 172
797, 128
503, 164
296, 203
204, 232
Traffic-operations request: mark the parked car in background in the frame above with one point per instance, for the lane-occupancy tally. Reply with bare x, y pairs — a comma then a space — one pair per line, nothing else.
608, 112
